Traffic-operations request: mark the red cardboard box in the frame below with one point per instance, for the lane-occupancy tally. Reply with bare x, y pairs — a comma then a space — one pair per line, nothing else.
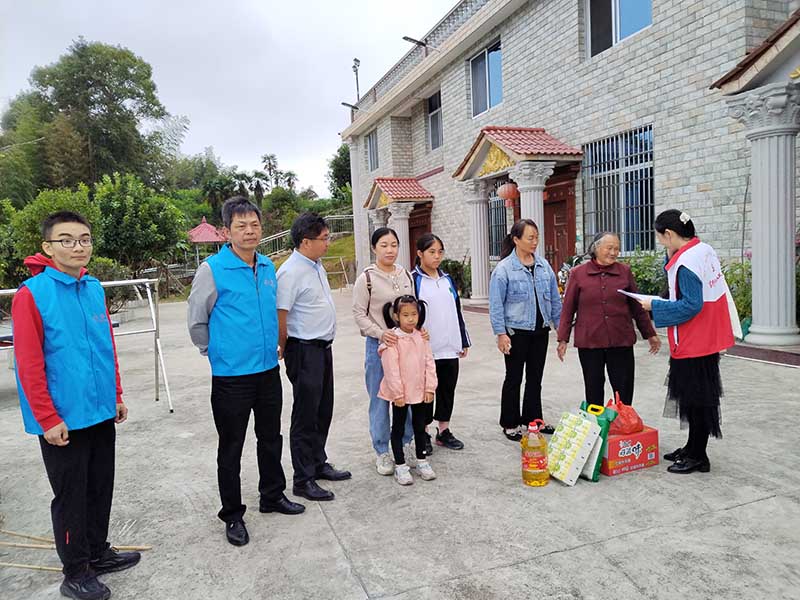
625, 453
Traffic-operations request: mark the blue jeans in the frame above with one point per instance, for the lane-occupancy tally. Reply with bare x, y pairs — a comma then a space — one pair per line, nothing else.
379, 426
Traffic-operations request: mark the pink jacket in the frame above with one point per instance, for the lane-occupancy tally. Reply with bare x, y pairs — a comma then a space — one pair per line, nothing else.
408, 368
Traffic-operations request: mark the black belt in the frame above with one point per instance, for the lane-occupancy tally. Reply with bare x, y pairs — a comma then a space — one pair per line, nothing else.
324, 344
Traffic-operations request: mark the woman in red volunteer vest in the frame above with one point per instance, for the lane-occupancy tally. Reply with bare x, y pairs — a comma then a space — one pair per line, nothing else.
698, 321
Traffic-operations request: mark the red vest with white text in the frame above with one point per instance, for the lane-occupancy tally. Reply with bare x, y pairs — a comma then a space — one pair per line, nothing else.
711, 330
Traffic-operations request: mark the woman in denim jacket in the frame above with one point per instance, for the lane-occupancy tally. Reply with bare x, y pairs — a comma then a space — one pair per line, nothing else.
523, 304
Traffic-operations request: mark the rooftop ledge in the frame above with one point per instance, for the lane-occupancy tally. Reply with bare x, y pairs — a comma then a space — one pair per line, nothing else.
479, 26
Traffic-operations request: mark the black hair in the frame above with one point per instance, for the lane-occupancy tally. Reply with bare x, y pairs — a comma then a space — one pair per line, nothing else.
517, 229
592, 251
62, 216
238, 205
425, 241
307, 227
393, 308
380, 232
677, 221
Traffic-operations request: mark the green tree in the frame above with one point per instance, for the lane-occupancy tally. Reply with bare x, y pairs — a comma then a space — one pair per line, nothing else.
290, 179
218, 189
271, 169
10, 264
26, 223
282, 207
107, 92
66, 154
138, 226
339, 170
259, 184
16, 177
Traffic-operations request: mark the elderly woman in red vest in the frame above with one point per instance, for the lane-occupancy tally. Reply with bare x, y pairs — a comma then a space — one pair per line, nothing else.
699, 316
604, 332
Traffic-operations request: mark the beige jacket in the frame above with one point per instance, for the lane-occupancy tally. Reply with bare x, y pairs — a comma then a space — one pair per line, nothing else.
368, 307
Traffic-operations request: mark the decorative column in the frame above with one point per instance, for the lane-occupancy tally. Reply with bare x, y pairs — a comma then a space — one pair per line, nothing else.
530, 177
400, 212
379, 217
478, 201
771, 115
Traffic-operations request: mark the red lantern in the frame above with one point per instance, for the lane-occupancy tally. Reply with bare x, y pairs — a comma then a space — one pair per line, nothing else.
508, 192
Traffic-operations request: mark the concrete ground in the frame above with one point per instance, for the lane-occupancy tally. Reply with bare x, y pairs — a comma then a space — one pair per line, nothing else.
476, 532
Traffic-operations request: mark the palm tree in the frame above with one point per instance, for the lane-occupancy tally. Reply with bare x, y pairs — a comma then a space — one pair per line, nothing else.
271, 168
290, 179
259, 184
242, 184
217, 190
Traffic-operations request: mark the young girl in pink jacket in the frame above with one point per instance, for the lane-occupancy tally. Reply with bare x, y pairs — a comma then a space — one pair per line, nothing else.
409, 379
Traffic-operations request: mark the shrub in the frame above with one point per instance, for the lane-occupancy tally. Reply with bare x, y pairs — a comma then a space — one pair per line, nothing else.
648, 271
461, 275
739, 276
107, 269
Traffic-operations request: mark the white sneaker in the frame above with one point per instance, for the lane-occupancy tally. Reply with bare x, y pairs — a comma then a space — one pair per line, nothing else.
425, 471
384, 464
402, 474
410, 454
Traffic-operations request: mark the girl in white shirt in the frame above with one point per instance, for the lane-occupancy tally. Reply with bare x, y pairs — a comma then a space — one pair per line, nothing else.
448, 334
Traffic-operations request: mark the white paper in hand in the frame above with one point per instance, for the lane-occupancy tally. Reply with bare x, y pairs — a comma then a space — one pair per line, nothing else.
640, 296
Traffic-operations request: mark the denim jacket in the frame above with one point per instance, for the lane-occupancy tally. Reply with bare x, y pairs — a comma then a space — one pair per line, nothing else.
511, 295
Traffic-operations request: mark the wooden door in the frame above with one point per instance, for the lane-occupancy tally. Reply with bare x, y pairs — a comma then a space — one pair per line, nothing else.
419, 223
559, 215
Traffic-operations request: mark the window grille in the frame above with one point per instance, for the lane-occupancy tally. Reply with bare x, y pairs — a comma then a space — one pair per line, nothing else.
617, 176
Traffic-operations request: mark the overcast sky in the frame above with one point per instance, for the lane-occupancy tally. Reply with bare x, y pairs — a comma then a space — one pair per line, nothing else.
252, 76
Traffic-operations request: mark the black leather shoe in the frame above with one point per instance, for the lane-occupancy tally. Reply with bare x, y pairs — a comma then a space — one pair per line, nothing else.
675, 455
428, 444
512, 434
328, 472
112, 561
311, 491
283, 505
237, 533
85, 586
547, 429
690, 465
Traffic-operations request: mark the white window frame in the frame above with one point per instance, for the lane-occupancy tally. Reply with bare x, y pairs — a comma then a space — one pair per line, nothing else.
615, 39
430, 126
485, 54
372, 144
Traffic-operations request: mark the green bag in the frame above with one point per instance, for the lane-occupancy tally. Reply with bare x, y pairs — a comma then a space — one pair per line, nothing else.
603, 416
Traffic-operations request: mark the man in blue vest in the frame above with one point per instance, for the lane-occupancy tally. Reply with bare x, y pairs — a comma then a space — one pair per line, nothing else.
233, 320
70, 395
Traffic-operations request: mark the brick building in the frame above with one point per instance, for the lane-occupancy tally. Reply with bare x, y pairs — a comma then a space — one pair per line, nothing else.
602, 112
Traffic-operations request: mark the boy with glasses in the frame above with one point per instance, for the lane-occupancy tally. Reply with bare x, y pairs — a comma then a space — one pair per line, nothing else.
70, 396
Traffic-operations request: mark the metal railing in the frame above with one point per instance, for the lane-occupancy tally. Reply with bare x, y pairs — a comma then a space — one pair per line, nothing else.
151, 290
281, 242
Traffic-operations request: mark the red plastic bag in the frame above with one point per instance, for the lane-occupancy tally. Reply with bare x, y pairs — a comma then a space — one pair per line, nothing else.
628, 420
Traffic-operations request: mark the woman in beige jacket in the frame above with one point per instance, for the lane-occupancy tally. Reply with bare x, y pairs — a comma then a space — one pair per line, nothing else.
380, 283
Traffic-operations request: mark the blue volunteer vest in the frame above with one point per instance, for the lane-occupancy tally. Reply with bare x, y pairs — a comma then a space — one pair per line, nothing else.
78, 350
243, 325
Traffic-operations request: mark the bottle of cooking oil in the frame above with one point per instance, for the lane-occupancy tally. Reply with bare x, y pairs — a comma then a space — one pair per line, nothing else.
534, 456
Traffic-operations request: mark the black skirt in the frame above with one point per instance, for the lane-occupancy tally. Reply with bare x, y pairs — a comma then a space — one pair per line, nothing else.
694, 387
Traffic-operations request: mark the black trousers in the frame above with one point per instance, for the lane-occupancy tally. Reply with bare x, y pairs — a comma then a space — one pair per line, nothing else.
82, 477
419, 413
447, 375
310, 369
232, 399
528, 354
621, 370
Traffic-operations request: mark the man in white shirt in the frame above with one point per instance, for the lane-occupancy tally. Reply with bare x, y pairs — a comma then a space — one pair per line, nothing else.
307, 326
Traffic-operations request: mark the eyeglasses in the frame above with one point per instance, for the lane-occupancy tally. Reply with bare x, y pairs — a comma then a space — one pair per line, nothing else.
70, 243
325, 239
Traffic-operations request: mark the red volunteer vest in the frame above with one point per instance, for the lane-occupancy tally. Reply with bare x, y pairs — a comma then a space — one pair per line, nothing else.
711, 330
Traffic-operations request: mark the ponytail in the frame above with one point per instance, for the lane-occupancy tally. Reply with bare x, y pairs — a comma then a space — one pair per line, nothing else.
517, 229
677, 221
392, 308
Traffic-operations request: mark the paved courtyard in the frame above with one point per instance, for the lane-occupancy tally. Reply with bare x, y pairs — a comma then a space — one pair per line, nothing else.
474, 533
